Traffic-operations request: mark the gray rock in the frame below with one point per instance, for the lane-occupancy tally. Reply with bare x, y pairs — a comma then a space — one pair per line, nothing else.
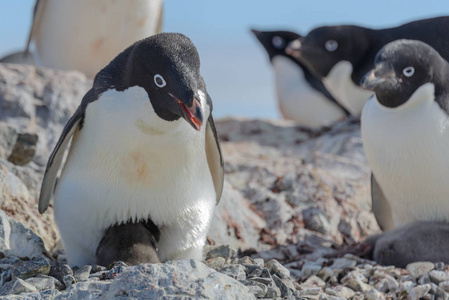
438, 276
329, 297
273, 292
285, 290
373, 294
82, 274
16, 239
17, 286
419, 291
31, 268
444, 286
276, 268
356, 281
340, 291
24, 149
258, 289
69, 280
59, 271
43, 283
314, 281
8, 138
343, 263
216, 263
237, 272
420, 268
315, 220
221, 251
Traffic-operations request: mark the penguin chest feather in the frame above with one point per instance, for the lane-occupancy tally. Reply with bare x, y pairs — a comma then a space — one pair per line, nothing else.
127, 163
407, 151
299, 101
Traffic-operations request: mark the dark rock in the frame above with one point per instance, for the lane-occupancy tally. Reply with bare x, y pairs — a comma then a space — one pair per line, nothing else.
31, 268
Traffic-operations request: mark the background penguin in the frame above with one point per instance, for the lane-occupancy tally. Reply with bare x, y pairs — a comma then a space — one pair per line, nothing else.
405, 133
341, 55
139, 152
301, 96
86, 35
132, 243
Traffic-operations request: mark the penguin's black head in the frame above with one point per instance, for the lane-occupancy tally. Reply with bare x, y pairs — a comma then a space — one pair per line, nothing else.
403, 66
167, 66
323, 47
275, 42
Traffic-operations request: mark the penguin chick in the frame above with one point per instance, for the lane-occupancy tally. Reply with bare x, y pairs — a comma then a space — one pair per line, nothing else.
132, 243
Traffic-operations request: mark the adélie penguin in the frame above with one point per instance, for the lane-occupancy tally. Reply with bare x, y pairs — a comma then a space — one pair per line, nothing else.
405, 133
301, 96
86, 35
341, 55
144, 147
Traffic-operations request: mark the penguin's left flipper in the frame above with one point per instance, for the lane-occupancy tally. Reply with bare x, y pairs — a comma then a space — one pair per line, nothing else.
132, 243
381, 207
214, 157
55, 160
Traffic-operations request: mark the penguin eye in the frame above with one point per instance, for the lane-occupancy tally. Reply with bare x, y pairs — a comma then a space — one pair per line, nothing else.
409, 71
278, 42
331, 45
159, 81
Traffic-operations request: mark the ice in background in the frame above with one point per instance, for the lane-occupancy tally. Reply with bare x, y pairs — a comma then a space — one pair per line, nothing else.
234, 65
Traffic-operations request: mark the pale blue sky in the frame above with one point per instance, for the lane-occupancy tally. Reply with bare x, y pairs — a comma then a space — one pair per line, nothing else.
235, 67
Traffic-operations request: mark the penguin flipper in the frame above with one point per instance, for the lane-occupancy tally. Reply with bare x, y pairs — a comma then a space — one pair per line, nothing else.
381, 207
54, 162
214, 157
37, 16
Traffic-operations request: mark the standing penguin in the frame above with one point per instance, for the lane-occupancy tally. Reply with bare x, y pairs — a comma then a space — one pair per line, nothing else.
301, 96
405, 133
341, 55
139, 152
86, 35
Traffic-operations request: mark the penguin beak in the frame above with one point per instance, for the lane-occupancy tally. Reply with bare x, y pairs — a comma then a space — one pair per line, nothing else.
370, 81
294, 48
193, 114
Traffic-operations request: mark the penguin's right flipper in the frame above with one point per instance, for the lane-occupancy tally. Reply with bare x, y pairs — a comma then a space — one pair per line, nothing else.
381, 207
55, 160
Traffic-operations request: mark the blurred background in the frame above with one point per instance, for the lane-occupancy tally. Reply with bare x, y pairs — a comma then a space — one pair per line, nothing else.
235, 66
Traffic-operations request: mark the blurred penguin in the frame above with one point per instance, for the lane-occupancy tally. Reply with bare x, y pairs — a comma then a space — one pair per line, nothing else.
301, 96
86, 35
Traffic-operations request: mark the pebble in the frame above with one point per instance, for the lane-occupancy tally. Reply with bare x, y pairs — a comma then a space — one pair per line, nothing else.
59, 271
68, 280
238, 272
340, 291
258, 289
28, 268
276, 268
221, 251
216, 262
273, 292
17, 286
438, 276
43, 283
343, 263
374, 294
285, 291
418, 269
314, 280
419, 291
444, 286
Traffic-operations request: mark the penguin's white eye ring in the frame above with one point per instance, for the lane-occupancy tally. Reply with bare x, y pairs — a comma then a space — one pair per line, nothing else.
159, 81
331, 45
278, 42
408, 72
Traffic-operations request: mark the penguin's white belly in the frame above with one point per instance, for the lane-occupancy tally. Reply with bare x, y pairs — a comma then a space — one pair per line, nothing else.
86, 35
339, 83
300, 102
407, 151
126, 163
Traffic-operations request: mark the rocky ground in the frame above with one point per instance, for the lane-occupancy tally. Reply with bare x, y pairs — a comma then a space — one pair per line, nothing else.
292, 197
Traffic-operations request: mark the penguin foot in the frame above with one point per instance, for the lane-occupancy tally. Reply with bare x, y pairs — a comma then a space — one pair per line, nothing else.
132, 243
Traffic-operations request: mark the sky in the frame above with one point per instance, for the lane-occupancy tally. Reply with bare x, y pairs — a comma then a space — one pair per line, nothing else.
234, 65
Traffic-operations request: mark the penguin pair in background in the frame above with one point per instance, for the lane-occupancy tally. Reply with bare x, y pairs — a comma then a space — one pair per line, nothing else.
301, 96
144, 148
341, 55
86, 35
405, 133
